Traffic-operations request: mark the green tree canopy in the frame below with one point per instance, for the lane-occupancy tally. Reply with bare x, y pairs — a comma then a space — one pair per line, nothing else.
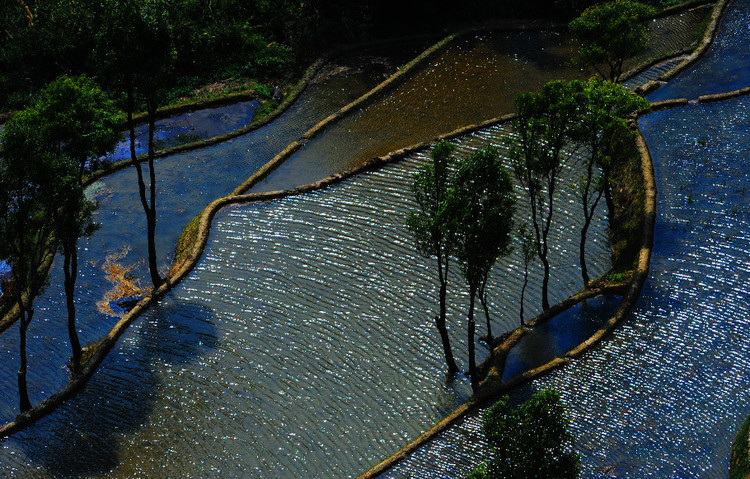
26, 226
611, 33
539, 152
530, 441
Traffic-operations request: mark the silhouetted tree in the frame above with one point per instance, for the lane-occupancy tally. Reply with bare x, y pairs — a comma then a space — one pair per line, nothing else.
539, 154
136, 54
481, 204
26, 226
605, 106
429, 225
78, 126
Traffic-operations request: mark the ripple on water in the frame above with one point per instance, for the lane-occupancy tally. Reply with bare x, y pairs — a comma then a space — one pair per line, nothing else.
308, 341
664, 396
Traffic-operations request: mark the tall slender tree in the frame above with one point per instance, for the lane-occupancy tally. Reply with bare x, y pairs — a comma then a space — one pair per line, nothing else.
428, 224
136, 57
605, 108
481, 204
539, 153
78, 125
26, 232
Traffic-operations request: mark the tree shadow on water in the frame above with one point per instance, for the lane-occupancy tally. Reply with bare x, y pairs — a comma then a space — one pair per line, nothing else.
81, 439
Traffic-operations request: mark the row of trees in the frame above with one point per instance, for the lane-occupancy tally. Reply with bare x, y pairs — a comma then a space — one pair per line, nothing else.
465, 207
465, 210
43, 209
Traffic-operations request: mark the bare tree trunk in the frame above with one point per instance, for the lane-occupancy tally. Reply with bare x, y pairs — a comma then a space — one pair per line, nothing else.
483, 302
148, 208
472, 352
70, 268
151, 211
23, 392
523, 290
441, 319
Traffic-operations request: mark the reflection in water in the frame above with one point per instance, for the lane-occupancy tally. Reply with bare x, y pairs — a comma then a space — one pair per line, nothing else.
83, 438
323, 364
559, 335
474, 79
185, 184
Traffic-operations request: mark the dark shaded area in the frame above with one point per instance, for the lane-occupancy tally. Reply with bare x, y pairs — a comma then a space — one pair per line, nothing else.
558, 336
81, 438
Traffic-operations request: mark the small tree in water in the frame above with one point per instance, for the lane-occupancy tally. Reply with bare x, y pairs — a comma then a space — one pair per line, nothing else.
26, 232
429, 226
77, 125
530, 441
481, 204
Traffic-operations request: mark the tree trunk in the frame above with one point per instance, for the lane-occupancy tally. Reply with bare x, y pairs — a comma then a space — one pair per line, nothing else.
582, 251
151, 211
70, 267
483, 302
440, 321
523, 290
545, 281
23, 392
472, 352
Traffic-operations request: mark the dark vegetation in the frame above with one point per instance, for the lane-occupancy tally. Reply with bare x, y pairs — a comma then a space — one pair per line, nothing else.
739, 462
230, 44
531, 440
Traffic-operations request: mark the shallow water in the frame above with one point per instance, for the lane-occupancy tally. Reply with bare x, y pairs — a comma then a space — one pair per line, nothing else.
191, 386
185, 184
189, 127
725, 67
665, 395
301, 345
473, 80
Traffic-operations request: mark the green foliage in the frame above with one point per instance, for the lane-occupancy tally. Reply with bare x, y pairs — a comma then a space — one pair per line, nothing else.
529, 441
611, 33
739, 463
481, 203
538, 155
26, 177
78, 120
429, 222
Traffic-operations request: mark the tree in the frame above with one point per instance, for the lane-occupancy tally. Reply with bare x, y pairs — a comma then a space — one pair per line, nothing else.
77, 125
528, 253
529, 441
481, 205
605, 108
610, 33
26, 232
428, 224
539, 153
136, 54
